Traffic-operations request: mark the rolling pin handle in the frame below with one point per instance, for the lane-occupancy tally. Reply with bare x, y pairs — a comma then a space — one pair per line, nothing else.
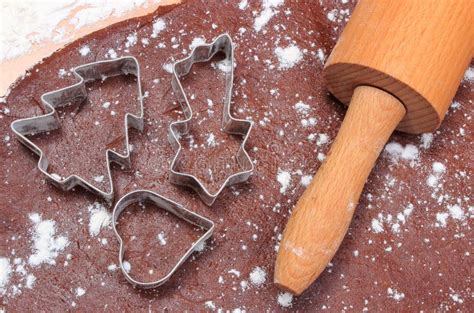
322, 215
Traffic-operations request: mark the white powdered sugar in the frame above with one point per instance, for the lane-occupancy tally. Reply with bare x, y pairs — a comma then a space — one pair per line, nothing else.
46, 245
99, 179
377, 226
455, 105
441, 219
258, 276
456, 212
438, 169
309, 122
306, 180
30, 281
132, 40
432, 181
285, 299
168, 67
284, 178
406, 213
211, 140
209, 305
127, 266
244, 285
200, 247
321, 55
426, 140
224, 66
456, 297
158, 26
63, 18
338, 16
288, 57
162, 239
395, 294
322, 139
269, 10
234, 272
243, 4
16, 271
111, 54
332, 15
397, 152
5, 271
99, 218
392, 222
302, 108
84, 50
80, 292
197, 42
469, 74
62, 72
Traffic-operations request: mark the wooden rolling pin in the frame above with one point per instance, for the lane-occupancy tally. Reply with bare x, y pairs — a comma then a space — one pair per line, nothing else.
398, 63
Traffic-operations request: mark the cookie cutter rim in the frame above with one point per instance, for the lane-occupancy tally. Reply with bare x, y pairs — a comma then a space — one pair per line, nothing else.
176, 209
204, 53
76, 94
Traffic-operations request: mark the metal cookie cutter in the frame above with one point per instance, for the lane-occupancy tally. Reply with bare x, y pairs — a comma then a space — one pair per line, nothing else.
231, 125
76, 94
170, 206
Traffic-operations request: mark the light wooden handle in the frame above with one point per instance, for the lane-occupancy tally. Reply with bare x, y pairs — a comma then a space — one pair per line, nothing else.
323, 214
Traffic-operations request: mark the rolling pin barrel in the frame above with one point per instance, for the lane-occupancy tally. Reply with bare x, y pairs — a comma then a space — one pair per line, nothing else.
397, 65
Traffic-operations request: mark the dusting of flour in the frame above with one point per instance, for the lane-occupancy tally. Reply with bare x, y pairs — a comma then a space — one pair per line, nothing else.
52, 20
5, 271
284, 178
258, 276
46, 245
99, 218
269, 10
288, 56
285, 299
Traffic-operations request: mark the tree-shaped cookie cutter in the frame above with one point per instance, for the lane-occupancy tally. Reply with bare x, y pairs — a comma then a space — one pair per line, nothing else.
75, 94
231, 125
141, 196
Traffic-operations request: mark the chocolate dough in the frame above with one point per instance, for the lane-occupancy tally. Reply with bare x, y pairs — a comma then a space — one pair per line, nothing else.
409, 244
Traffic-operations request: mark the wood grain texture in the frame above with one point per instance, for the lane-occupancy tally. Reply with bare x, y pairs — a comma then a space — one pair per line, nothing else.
416, 50
323, 214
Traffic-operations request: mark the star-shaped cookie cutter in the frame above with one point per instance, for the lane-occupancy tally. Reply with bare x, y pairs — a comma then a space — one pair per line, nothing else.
140, 196
75, 94
231, 125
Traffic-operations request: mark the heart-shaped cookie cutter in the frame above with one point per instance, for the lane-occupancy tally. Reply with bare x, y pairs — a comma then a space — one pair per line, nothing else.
230, 125
76, 94
140, 196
